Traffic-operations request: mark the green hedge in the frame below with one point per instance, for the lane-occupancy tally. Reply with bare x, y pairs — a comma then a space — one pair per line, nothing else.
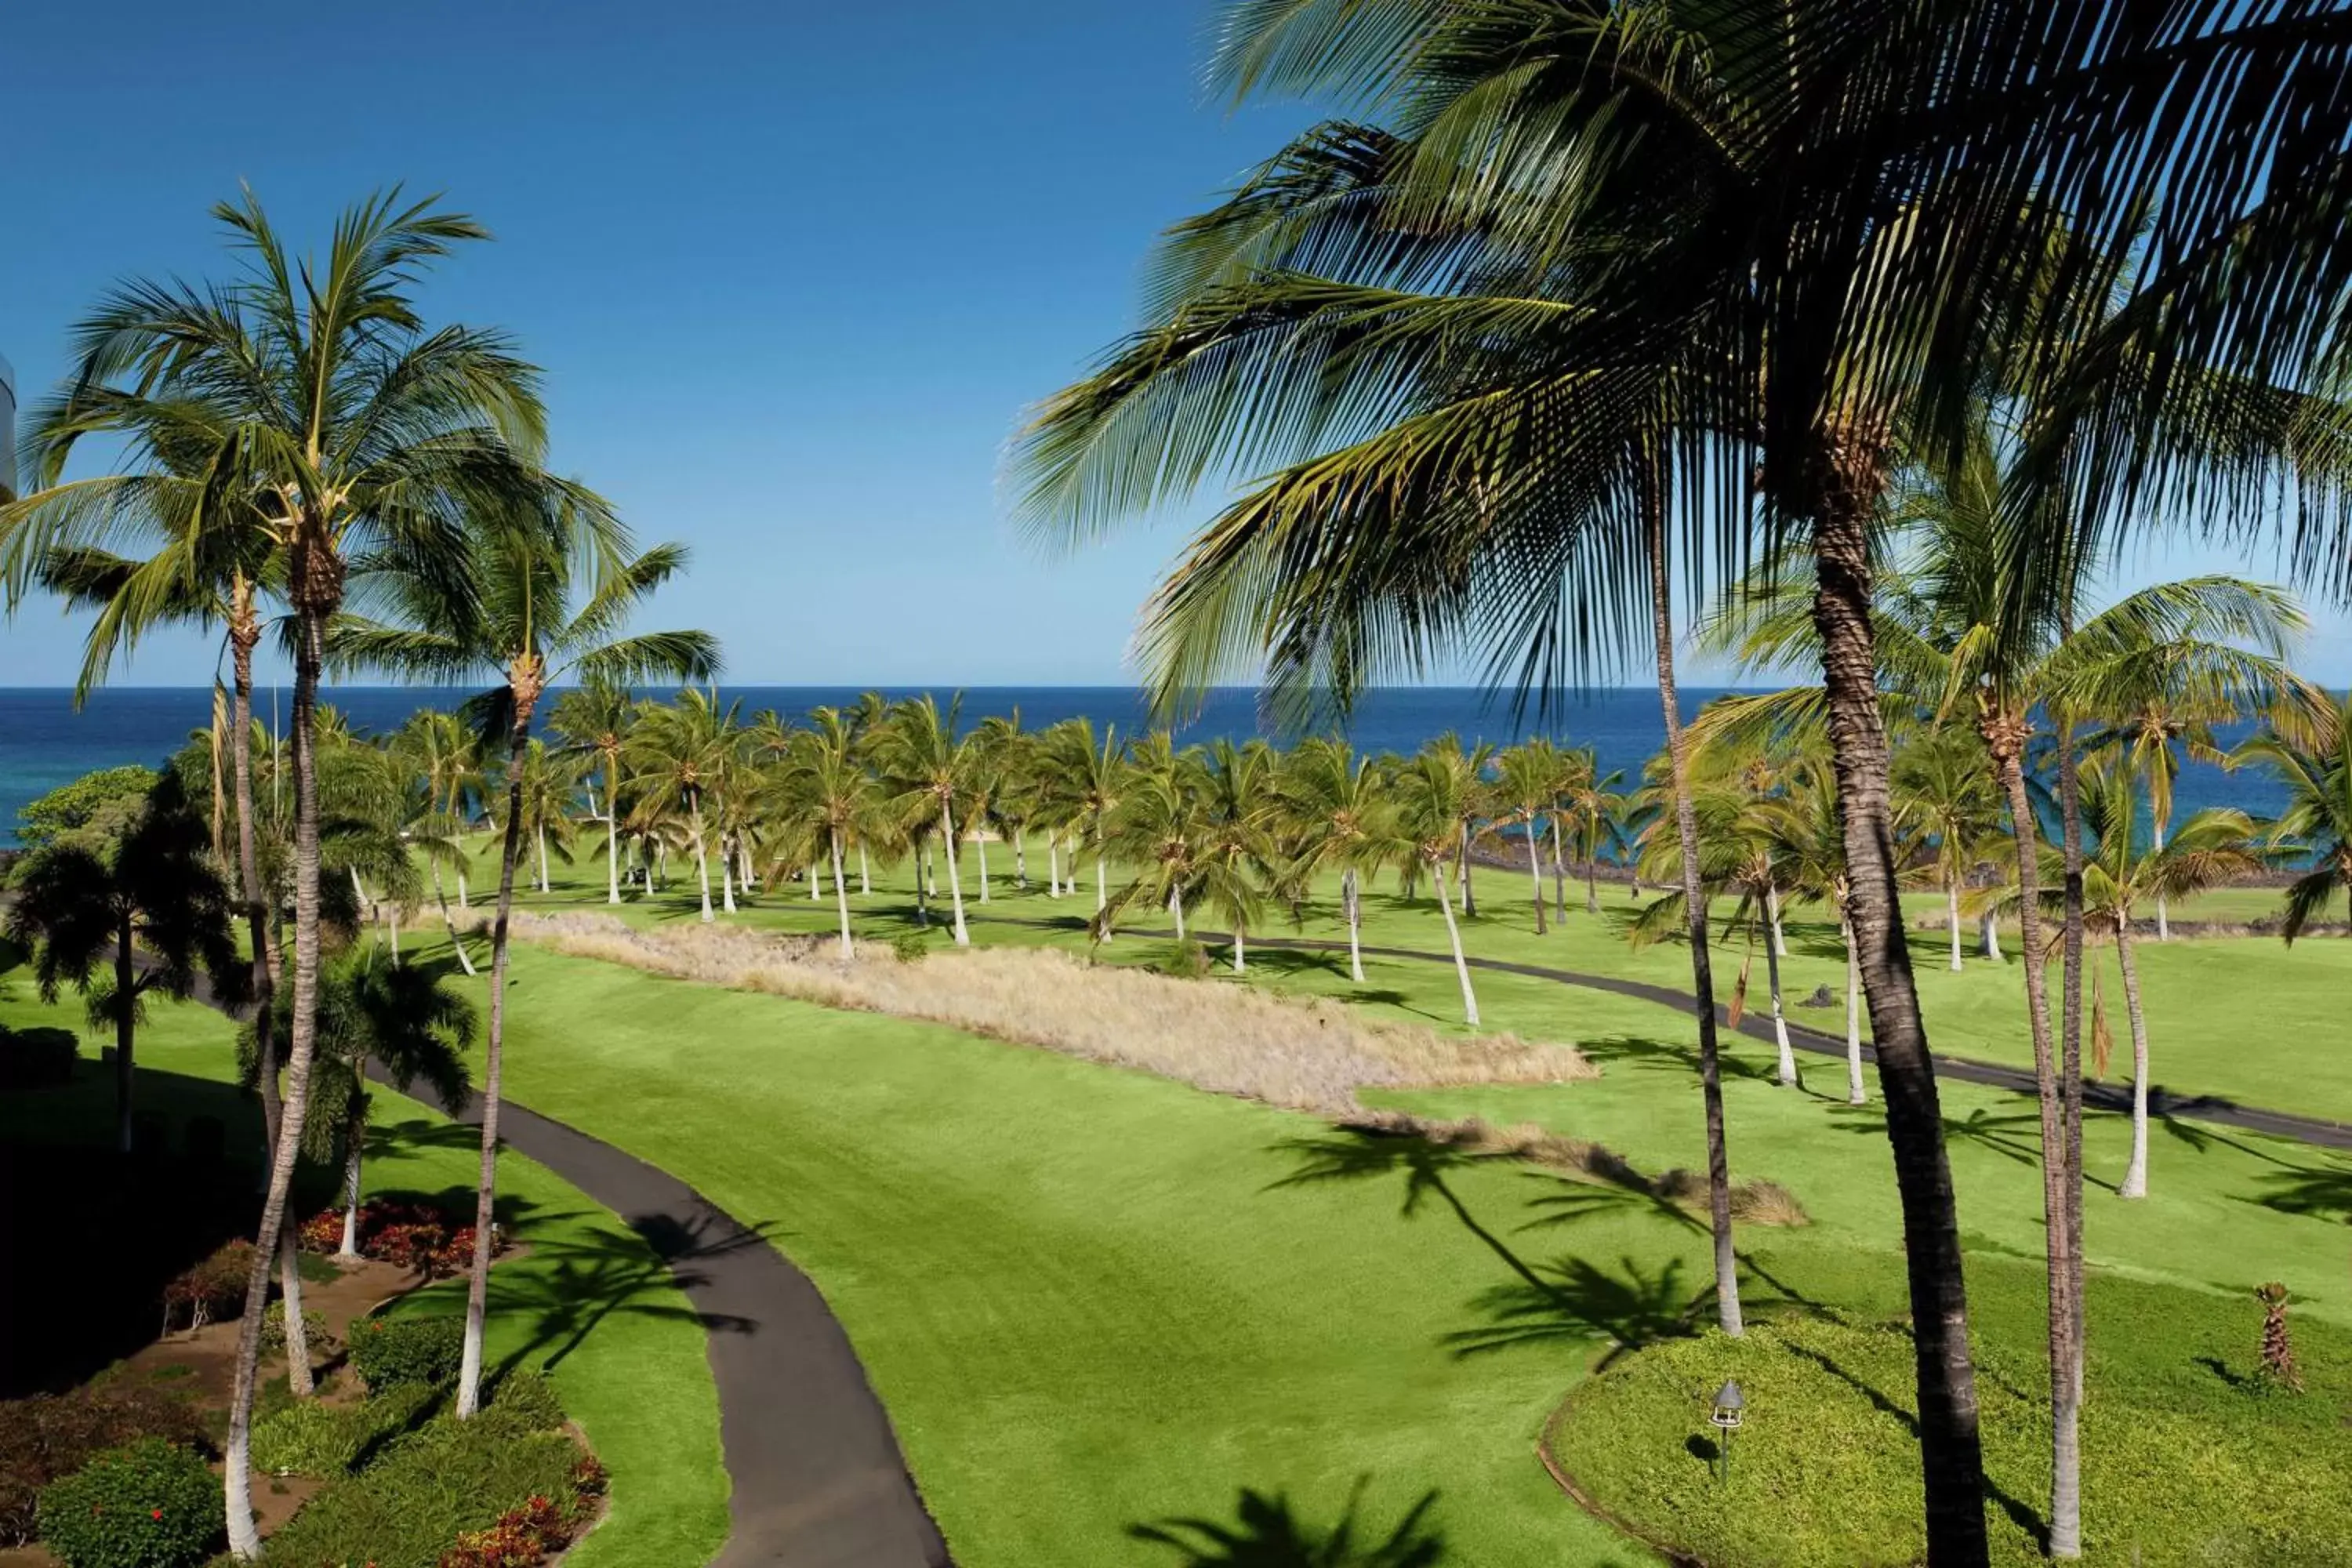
149, 1504
2199, 1467
391, 1351
308, 1439
409, 1506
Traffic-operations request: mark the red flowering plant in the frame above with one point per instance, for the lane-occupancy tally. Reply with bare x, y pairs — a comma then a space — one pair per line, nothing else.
415, 1235
522, 1537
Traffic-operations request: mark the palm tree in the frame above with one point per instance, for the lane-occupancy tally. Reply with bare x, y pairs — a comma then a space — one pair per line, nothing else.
1755, 246
546, 794
1437, 791
927, 767
82, 908
544, 595
1591, 800
594, 723
1528, 784
1018, 791
679, 752
1943, 791
1089, 774
2213, 847
1160, 829
1236, 856
1808, 861
825, 792
408, 1022
1339, 815
448, 757
2313, 760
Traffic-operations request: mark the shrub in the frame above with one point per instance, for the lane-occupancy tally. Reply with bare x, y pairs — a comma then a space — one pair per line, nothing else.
431, 1240
1186, 960
307, 1438
150, 1504
212, 1288
389, 1351
908, 947
273, 1329
530, 1398
37, 1058
522, 1537
426, 1490
53, 1435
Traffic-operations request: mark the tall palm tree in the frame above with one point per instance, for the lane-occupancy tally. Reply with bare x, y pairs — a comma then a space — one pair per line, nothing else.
1342, 820
545, 594
1591, 800
1237, 854
594, 723
1528, 778
679, 754
1943, 791
824, 791
1754, 248
2121, 873
1090, 777
86, 911
1437, 791
549, 793
2313, 759
927, 767
1161, 830
1017, 791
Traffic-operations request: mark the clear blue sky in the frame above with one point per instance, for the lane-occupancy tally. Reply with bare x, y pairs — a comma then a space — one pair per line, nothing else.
792, 270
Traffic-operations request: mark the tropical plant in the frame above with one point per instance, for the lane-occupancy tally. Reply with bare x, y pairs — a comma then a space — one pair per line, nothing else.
1529, 781
1437, 793
1943, 791
2312, 755
826, 801
89, 913
593, 721
1338, 818
1088, 776
926, 766
546, 591
1592, 802
679, 754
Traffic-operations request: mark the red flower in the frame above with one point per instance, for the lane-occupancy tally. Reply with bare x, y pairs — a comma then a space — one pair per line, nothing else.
155, 1513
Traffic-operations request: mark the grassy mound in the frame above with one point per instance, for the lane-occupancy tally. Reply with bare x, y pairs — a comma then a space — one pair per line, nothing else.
2186, 1458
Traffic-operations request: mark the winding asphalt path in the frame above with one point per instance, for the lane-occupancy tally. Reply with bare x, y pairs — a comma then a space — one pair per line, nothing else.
2313, 1129
817, 1477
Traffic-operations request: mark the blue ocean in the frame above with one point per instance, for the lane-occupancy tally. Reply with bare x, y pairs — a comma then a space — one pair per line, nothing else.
44, 742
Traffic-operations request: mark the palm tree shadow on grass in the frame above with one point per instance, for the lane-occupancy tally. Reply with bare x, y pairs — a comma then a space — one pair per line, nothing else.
2015, 1135
1266, 1532
2318, 1191
1634, 1050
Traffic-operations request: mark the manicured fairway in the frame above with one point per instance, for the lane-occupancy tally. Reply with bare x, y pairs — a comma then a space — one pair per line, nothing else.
2246, 1018
1089, 1299
628, 1352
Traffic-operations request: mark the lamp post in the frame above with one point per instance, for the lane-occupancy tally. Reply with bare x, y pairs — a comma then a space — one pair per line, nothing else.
1728, 1407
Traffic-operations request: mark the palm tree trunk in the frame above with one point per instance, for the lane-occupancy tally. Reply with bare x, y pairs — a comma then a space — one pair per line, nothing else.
1102, 896
477, 1284
540, 833
316, 591
1469, 887
1241, 946
1558, 871
841, 899
449, 923
1854, 1092
1773, 915
1591, 875
1176, 908
1711, 1072
1534, 874
1952, 914
955, 876
2163, 913
392, 912
2007, 739
1779, 1021
1020, 859
726, 879
354, 1152
359, 896
2135, 1183
1052, 865
1453, 936
1951, 1450
701, 860
2070, 1075
816, 881
462, 901
864, 873
1989, 935
1355, 924
612, 835
980, 848
126, 981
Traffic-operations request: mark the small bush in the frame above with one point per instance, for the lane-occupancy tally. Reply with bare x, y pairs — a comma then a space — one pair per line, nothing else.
527, 1397
150, 1504
1186, 960
211, 1289
307, 1438
273, 1330
522, 1538
51, 1436
37, 1058
389, 1351
910, 947
432, 1241
427, 1489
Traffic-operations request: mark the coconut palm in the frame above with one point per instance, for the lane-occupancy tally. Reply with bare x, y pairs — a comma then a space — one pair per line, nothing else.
2121, 874
680, 755
408, 1023
544, 595
1751, 244
1945, 793
1437, 791
87, 911
927, 767
1339, 815
2311, 753
594, 724
1526, 786
1237, 854
1089, 778
447, 756
1590, 801
1017, 793
1160, 829
823, 792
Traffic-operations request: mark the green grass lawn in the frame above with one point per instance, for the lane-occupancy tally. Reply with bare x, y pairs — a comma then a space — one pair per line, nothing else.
2247, 1020
1094, 1299
628, 1350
